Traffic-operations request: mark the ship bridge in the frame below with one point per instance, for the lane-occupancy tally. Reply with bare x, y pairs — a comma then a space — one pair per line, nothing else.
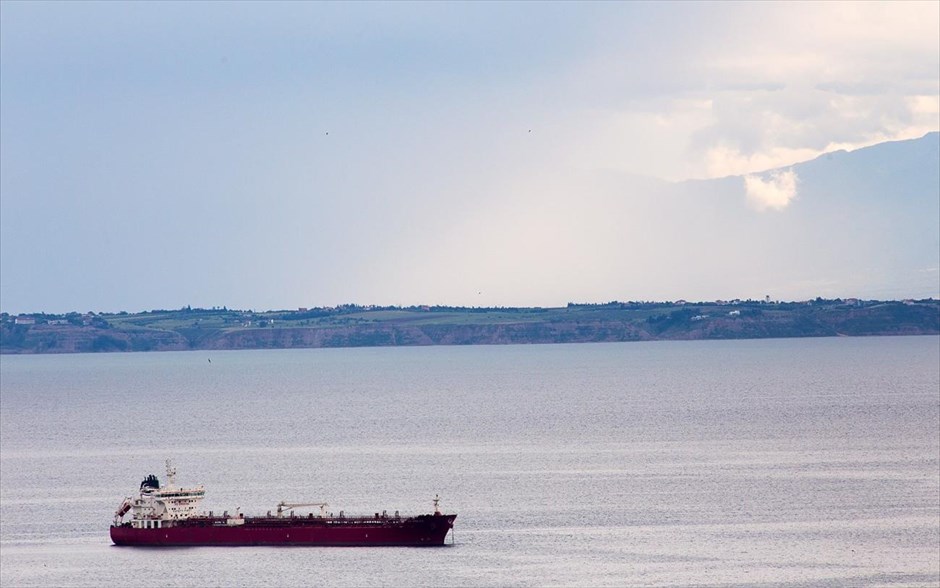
155, 505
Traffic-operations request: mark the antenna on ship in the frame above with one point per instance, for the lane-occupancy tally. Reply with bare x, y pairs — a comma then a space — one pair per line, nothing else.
170, 474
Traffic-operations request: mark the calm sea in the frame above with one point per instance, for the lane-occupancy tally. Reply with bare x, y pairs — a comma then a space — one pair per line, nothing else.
804, 462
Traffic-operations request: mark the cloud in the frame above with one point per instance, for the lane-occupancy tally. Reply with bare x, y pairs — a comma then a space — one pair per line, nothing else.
774, 193
780, 84
724, 160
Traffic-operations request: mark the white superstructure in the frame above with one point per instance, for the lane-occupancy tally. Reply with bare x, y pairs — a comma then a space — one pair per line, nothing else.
155, 506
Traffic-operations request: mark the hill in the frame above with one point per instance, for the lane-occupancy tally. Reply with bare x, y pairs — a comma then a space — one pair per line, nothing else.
357, 326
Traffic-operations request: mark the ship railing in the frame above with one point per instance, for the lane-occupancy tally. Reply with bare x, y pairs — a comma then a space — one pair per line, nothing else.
342, 518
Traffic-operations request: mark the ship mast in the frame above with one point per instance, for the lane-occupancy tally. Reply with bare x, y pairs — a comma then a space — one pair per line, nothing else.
170, 474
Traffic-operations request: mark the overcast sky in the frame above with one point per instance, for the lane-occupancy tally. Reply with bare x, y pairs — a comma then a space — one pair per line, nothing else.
276, 155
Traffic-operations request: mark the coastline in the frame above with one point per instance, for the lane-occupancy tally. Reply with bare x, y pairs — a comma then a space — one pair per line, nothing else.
356, 326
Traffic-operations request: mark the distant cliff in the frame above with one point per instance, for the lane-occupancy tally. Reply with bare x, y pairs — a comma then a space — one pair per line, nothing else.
356, 326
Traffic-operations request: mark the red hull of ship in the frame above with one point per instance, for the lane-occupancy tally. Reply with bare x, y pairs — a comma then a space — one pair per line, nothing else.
428, 530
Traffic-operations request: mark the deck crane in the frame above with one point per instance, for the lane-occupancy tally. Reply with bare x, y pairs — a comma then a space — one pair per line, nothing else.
282, 506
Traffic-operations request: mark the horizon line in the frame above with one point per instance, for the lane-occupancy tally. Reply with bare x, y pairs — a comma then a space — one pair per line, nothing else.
354, 305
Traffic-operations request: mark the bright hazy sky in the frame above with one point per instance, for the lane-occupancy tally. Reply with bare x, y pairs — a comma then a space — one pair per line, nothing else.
276, 155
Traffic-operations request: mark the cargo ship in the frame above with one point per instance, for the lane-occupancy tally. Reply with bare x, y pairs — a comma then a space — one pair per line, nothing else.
170, 516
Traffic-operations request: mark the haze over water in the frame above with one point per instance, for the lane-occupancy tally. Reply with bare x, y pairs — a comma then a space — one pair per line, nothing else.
775, 462
277, 155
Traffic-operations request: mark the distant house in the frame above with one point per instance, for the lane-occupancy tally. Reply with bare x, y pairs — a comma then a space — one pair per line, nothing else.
24, 320
734, 313
58, 322
699, 317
